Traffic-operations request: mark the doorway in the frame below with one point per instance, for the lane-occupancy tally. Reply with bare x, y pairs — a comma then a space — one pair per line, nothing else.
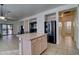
67, 27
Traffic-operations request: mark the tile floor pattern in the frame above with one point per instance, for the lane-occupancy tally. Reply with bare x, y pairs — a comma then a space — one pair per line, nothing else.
66, 47
10, 52
9, 46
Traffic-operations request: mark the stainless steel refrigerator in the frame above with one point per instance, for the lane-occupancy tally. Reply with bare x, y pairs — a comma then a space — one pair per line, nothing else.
50, 29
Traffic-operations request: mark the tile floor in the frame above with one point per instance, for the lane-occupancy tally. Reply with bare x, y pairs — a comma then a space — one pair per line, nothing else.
66, 47
9, 45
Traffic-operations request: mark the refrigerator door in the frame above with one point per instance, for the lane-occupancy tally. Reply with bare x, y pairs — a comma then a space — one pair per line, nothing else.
49, 28
52, 32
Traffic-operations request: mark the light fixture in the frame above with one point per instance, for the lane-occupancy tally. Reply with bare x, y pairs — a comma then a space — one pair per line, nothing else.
1, 17
2, 13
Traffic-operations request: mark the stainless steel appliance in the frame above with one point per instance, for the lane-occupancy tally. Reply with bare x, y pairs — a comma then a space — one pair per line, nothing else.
50, 29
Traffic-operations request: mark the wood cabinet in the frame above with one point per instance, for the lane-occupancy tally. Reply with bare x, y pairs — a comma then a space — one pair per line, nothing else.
44, 43
39, 45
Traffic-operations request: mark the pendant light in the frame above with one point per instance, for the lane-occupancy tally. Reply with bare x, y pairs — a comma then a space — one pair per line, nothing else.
2, 12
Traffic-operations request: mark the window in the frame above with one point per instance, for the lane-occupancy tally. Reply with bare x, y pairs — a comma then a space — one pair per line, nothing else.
60, 24
68, 26
4, 26
0, 28
6, 29
9, 29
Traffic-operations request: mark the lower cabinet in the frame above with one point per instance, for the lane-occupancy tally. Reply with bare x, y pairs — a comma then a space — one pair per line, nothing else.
39, 45
44, 43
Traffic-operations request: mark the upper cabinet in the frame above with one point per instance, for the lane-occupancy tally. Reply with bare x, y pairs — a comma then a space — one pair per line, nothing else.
50, 17
33, 25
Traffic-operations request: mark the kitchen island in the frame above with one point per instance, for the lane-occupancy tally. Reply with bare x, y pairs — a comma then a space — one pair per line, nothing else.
32, 43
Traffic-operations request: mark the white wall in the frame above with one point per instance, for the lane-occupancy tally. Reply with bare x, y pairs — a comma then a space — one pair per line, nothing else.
40, 24
15, 27
77, 27
41, 18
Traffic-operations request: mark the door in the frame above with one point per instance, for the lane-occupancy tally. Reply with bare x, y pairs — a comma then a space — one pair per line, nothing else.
54, 31
6, 29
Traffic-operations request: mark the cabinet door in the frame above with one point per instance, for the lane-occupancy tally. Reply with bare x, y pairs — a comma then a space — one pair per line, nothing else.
39, 45
36, 46
44, 43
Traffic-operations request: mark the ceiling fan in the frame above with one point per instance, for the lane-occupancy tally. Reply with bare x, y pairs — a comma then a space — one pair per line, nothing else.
3, 15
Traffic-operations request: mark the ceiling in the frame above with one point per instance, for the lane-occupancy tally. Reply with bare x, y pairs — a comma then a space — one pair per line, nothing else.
18, 11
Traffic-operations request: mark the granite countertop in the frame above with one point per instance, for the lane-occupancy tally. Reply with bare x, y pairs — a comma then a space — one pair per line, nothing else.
30, 36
